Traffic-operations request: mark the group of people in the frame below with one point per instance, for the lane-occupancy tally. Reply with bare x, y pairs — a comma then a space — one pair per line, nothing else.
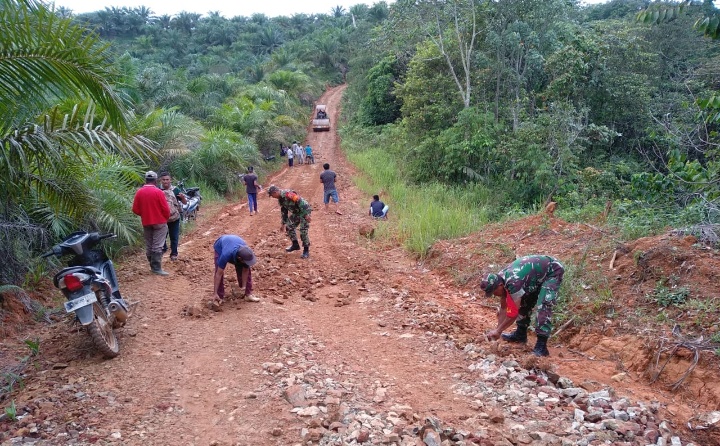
297, 154
520, 286
159, 209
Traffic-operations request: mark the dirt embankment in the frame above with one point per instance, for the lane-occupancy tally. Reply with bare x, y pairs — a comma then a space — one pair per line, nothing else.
361, 344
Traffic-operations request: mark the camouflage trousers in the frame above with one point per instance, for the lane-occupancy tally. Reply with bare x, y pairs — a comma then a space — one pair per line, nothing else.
547, 295
294, 222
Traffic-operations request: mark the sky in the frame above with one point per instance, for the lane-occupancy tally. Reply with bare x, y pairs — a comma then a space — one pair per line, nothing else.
227, 8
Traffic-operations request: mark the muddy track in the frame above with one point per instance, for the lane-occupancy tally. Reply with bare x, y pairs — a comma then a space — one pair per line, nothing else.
359, 328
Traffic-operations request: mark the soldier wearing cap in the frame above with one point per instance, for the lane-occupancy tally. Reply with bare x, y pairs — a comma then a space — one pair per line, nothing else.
520, 286
152, 207
295, 213
233, 249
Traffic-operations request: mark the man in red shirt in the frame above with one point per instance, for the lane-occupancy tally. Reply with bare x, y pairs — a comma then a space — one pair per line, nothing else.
150, 204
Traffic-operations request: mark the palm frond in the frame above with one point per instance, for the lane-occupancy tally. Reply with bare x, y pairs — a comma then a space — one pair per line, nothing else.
46, 58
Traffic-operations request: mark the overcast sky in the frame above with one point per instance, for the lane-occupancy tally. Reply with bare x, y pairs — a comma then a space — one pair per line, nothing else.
227, 8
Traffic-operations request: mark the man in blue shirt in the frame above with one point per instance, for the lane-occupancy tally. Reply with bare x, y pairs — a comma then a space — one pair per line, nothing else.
378, 209
232, 249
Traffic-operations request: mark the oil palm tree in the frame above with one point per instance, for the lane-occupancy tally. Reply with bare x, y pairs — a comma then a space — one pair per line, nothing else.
59, 114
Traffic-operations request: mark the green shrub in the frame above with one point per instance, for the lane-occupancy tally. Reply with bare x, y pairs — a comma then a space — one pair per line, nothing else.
666, 297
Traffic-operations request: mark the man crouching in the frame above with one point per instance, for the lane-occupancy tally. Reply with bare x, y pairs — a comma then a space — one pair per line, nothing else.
233, 249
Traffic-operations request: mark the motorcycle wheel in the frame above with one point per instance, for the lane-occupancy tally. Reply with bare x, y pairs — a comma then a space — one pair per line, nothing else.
102, 334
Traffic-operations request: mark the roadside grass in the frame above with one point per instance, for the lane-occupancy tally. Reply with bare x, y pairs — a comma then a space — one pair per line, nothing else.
585, 295
420, 215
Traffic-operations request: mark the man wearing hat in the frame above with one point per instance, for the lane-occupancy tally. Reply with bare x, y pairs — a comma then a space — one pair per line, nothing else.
295, 213
152, 207
232, 249
520, 286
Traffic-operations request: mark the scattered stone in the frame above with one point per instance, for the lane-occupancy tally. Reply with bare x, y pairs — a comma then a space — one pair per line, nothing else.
363, 436
366, 230
431, 438
295, 395
619, 377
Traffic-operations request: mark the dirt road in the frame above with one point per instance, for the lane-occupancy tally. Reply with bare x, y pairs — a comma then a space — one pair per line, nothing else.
343, 347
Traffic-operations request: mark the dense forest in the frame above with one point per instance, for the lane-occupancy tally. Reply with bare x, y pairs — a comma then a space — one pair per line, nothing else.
483, 109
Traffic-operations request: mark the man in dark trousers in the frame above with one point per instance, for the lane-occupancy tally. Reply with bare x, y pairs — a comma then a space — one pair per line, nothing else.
174, 199
251, 188
233, 249
152, 207
520, 286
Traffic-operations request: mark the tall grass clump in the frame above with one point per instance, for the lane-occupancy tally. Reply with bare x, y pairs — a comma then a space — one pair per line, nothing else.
422, 214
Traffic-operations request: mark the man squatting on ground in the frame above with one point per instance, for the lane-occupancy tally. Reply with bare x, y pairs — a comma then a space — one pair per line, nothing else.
233, 249
295, 213
378, 209
519, 286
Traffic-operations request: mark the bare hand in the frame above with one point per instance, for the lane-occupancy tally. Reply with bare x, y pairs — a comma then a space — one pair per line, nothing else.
307, 219
493, 335
282, 228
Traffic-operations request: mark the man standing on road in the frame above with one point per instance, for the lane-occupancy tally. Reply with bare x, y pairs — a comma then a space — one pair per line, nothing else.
290, 155
295, 213
152, 207
327, 178
174, 197
299, 152
519, 286
232, 249
251, 188
309, 154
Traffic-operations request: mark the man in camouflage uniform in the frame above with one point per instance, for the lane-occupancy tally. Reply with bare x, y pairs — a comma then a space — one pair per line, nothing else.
295, 212
521, 285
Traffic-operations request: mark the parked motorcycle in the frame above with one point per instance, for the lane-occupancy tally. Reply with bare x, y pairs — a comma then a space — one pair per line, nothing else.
189, 210
90, 285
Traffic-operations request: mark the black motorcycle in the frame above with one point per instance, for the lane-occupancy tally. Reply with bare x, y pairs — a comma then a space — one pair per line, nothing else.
189, 210
90, 285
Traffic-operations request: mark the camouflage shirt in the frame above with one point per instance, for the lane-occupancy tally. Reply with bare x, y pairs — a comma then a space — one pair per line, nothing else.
527, 274
290, 201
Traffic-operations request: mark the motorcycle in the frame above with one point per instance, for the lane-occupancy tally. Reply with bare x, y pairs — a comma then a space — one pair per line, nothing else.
189, 210
91, 287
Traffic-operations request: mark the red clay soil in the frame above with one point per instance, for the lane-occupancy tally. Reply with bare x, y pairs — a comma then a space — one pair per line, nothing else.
619, 333
189, 375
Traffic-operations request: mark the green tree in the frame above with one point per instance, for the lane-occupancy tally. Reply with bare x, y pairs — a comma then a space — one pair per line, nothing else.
454, 28
429, 99
59, 118
380, 106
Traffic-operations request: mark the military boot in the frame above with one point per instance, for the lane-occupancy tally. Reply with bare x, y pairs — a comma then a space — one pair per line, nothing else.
306, 252
519, 336
541, 346
295, 247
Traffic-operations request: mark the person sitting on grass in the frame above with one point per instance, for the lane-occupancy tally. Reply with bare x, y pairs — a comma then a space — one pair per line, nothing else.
378, 209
